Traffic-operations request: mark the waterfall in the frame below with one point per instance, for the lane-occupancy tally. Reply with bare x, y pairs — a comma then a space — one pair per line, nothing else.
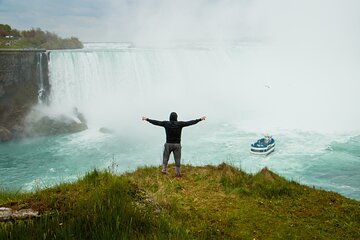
241, 83
122, 83
40, 78
43, 84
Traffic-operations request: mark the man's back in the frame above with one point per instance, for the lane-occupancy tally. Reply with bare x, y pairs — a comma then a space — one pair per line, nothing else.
173, 128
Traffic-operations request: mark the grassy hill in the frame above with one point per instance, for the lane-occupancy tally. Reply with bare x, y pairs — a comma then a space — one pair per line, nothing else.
210, 202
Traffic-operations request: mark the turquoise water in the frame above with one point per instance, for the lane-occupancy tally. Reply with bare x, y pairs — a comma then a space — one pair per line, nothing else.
41, 162
324, 161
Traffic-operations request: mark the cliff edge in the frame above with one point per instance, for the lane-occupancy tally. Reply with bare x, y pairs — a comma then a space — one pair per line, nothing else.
23, 73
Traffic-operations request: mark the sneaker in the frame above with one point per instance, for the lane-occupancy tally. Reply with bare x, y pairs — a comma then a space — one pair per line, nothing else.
178, 176
163, 171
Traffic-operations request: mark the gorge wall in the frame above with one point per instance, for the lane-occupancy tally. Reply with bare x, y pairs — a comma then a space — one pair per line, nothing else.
23, 82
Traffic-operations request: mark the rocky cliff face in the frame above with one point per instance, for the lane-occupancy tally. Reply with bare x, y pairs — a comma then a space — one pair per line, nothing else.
23, 79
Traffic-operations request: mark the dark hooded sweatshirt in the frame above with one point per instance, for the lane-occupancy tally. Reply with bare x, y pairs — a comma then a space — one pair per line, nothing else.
173, 127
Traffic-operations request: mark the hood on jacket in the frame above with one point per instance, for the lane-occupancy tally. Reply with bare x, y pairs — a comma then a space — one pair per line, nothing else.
173, 116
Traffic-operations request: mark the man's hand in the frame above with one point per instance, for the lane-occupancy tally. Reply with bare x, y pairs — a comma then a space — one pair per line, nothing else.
203, 118
144, 118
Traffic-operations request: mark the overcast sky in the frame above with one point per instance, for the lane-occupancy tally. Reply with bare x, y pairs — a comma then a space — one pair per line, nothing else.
157, 20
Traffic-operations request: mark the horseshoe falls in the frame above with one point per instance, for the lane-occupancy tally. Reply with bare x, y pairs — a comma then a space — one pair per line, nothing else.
306, 102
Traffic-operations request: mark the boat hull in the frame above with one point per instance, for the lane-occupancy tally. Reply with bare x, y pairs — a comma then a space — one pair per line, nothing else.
261, 151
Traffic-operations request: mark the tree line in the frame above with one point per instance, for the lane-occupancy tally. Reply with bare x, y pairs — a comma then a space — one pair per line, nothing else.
36, 38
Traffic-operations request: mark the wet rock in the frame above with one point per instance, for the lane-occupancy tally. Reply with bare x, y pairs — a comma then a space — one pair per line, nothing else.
144, 201
106, 130
5, 134
42, 122
57, 125
79, 115
7, 214
17, 131
2, 91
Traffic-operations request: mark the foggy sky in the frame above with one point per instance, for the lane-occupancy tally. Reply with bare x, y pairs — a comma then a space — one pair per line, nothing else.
188, 20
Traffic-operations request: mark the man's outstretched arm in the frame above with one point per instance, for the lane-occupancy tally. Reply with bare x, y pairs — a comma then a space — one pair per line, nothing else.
155, 122
192, 122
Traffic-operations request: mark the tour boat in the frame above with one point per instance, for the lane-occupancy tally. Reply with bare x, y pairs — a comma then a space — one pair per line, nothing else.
263, 146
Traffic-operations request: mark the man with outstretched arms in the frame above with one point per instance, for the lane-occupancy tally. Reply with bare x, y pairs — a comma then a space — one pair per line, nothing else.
173, 138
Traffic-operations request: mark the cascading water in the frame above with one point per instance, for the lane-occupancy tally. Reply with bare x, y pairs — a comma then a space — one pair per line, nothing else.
122, 84
41, 78
239, 83
42, 84
241, 89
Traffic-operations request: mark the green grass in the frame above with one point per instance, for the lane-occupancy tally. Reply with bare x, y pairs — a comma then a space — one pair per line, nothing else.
34, 43
211, 202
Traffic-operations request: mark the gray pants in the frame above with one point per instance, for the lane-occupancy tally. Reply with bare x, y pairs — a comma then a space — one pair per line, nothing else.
175, 148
